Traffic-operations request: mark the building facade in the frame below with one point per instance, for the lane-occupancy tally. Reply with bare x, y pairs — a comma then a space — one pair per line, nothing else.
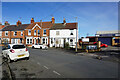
40, 33
109, 37
34, 33
62, 33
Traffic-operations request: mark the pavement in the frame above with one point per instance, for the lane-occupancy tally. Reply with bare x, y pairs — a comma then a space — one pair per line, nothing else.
0, 63
57, 63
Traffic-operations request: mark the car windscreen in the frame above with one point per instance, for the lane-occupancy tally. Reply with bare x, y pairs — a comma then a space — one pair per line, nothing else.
18, 46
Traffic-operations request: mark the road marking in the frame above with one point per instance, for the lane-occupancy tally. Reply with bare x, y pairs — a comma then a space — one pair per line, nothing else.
56, 73
45, 67
38, 63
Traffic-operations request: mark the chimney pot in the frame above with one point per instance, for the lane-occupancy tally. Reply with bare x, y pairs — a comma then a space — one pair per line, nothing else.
32, 20
18, 23
53, 20
64, 21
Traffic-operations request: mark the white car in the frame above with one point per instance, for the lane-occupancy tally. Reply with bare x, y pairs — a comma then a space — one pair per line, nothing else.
40, 46
15, 51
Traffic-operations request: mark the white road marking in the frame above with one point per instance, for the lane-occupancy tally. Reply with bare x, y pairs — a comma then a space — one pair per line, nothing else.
45, 67
56, 73
38, 63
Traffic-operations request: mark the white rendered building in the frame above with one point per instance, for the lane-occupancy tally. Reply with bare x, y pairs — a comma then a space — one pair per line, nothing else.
62, 33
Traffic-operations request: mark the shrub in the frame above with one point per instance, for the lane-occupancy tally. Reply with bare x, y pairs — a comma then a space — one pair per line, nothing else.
67, 45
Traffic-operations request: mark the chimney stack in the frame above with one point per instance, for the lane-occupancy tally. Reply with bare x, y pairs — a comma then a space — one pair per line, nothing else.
32, 20
64, 21
53, 20
41, 22
18, 23
6, 23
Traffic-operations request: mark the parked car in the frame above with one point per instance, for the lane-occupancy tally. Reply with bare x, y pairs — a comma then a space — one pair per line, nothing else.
102, 45
40, 46
14, 52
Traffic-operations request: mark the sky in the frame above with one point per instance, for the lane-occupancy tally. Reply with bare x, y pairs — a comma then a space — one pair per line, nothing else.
91, 16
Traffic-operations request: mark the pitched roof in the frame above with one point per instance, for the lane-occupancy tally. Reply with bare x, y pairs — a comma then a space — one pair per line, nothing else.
1, 27
14, 27
64, 26
44, 25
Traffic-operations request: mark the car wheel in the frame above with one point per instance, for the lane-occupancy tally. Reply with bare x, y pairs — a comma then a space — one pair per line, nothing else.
27, 58
32, 46
40, 47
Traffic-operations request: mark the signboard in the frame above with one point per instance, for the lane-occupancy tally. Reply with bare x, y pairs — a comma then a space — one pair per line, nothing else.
85, 40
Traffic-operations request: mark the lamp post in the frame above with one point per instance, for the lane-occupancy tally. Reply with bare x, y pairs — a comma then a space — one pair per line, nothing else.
76, 36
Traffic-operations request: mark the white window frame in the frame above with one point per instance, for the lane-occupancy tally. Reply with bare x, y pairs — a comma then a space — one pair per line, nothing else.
14, 33
6, 32
35, 32
29, 40
21, 33
38, 32
43, 32
57, 33
0, 33
71, 31
29, 32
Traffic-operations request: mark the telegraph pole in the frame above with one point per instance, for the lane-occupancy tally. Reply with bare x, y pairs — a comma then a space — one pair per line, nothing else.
76, 35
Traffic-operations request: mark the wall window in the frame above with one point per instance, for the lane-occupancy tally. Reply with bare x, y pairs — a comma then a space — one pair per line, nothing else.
71, 41
20, 40
15, 33
29, 41
51, 41
38, 32
21, 33
6, 33
34, 32
0, 33
29, 32
57, 32
71, 32
44, 32
43, 40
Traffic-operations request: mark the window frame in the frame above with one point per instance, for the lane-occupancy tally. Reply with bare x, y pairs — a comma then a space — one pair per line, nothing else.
15, 33
35, 32
57, 32
29, 32
71, 32
21, 33
44, 32
6, 32
38, 32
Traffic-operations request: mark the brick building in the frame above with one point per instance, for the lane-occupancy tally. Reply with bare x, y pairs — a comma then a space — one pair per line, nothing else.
33, 33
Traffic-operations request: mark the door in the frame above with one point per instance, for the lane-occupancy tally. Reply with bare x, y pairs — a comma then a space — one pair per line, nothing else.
16, 41
34, 41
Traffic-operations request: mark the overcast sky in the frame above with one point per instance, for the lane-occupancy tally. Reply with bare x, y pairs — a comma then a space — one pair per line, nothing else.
91, 16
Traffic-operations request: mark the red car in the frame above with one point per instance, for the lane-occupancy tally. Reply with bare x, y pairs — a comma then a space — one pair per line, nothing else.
102, 45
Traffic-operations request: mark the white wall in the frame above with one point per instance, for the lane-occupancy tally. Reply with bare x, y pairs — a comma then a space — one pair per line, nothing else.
64, 33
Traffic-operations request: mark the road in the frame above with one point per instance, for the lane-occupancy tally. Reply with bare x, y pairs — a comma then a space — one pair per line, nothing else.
57, 63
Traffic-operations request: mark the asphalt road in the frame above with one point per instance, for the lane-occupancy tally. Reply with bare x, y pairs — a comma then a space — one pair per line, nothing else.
57, 63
